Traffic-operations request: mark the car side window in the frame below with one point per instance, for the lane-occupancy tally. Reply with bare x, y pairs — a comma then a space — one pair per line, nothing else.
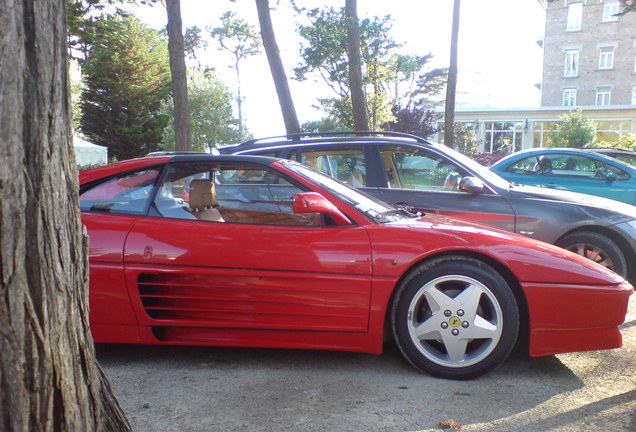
628, 159
527, 165
420, 169
566, 165
241, 194
124, 194
581, 166
618, 173
347, 165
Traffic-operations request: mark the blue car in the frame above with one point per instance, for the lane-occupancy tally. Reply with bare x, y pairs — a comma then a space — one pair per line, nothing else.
571, 169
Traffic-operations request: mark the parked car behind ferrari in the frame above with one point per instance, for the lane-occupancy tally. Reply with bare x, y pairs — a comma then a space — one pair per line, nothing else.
623, 155
572, 170
405, 170
261, 252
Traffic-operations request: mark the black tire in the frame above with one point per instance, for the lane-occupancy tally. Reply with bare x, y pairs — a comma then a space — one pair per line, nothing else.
598, 248
468, 312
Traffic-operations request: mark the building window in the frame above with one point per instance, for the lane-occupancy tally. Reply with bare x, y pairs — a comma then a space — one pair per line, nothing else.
571, 63
603, 96
575, 13
569, 97
543, 132
610, 9
502, 137
606, 58
634, 95
612, 130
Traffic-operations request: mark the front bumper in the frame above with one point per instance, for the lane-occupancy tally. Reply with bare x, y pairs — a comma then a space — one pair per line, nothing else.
569, 318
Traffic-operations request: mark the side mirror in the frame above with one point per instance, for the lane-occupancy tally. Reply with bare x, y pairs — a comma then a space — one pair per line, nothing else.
471, 185
610, 176
313, 202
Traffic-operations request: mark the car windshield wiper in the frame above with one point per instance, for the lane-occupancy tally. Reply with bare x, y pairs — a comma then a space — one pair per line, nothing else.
399, 212
408, 211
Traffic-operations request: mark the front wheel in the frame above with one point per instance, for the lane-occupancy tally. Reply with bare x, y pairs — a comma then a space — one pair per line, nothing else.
597, 247
455, 317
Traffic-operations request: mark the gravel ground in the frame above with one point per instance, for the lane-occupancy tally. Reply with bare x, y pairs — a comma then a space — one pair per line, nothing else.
166, 389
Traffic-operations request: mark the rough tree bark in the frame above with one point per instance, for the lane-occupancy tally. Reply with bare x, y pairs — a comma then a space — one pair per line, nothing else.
183, 133
49, 377
358, 100
276, 67
451, 86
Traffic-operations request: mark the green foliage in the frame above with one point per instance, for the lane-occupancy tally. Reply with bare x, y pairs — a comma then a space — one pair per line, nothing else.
574, 130
127, 77
80, 19
627, 141
388, 77
193, 41
236, 36
211, 117
327, 124
241, 39
75, 88
466, 141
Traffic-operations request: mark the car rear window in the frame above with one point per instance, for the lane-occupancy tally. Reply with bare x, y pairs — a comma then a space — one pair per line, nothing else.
125, 194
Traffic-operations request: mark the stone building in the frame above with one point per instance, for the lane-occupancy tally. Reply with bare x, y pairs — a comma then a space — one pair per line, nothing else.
589, 61
589, 54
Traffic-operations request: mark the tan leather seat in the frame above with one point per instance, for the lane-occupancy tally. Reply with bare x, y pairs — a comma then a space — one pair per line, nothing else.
203, 201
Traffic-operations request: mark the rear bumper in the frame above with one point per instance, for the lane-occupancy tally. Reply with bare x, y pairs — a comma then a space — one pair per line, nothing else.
569, 318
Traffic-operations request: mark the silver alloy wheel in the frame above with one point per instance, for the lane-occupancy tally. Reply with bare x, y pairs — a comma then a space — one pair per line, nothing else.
455, 321
592, 252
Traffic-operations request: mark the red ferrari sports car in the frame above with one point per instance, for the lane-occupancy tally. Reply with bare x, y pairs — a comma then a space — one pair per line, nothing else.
261, 252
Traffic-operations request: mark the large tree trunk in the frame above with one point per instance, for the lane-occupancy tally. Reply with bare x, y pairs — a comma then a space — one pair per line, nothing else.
183, 136
49, 377
451, 86
358, 100
276, 67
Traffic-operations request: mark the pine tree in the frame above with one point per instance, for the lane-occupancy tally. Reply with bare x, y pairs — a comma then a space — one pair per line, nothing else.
127, 77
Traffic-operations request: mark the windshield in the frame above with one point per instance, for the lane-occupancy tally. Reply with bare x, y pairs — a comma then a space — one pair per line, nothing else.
482, 171
374, 209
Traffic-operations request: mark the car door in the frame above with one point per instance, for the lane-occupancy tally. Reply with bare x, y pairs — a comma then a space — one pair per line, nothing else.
109, 210
428, 181
260, 267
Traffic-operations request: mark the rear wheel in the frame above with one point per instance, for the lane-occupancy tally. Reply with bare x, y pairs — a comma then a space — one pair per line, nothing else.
597, 247
455, 317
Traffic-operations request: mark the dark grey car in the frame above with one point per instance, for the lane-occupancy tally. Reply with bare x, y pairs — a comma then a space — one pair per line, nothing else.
405, 170
623, 155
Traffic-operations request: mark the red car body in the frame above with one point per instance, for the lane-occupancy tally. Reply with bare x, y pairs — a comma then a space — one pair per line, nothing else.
157, 280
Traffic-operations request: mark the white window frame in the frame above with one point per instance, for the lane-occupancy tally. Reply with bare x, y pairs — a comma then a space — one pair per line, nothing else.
575, 16
571, 67
610, 9
606, 57
634, 95
497, 131
603, 96
569, 97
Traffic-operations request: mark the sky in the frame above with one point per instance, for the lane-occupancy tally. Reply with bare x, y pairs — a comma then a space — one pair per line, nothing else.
499, 60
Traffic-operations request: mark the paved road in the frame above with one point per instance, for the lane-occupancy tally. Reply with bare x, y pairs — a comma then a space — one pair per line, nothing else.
166, 389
